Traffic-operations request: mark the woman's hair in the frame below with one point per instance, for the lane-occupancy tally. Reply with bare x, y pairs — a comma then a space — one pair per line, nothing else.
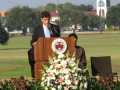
73, 35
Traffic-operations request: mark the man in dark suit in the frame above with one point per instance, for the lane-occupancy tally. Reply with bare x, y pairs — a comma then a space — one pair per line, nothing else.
80, 52
44, 29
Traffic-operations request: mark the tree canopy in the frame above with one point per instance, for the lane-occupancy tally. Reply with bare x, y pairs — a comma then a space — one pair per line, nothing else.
21, 18
113, 16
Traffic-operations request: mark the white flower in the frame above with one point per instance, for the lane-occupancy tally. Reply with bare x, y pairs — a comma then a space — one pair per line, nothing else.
64, 63
67, 82
53, 88
66, 76
85, 85
60, 56
63, 71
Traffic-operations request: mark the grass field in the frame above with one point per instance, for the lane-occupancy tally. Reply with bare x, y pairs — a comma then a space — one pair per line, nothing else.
14, 62
13, 58
102, 45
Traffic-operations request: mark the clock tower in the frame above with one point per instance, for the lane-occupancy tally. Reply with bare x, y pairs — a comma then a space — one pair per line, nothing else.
102, 8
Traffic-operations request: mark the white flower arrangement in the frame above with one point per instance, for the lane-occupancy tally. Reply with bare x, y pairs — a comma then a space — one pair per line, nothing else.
62, 72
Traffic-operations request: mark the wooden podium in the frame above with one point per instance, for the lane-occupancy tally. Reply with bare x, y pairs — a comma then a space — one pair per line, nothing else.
42, 50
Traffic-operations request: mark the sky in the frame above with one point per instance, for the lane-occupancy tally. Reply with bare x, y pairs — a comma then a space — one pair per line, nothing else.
7, 4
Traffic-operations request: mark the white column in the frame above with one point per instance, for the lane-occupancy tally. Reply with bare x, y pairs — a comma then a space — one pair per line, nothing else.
101, 8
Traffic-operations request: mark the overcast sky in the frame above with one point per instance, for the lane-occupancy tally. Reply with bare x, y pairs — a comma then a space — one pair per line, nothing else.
7, 4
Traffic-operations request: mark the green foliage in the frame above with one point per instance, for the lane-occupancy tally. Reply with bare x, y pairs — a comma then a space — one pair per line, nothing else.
35, 85
19, 18
116, 86
85, 7
93, 21
20, 84
70, 14
50, 7
113, 16
93, 84
22, 17
6, 85
30, 84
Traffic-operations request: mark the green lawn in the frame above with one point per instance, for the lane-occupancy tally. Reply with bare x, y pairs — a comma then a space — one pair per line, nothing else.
13, 58
17, 42
14, 62
102, 45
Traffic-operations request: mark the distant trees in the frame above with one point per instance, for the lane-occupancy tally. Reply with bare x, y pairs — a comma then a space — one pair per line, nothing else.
76, 15
113, 16
71, 14
50, 7
89, 22
68, 14
20, 18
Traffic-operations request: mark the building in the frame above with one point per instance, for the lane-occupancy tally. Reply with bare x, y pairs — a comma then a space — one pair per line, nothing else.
55, 18
91, 13
3, 13
101, 8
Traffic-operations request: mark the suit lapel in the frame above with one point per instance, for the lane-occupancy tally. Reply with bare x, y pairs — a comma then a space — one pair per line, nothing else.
41, 31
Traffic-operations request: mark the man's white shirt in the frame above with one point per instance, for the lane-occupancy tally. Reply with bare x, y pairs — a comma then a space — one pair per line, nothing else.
46, 31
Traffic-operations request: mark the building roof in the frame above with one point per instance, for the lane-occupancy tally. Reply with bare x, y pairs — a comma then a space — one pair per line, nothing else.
3, 13
91, 13
54, 13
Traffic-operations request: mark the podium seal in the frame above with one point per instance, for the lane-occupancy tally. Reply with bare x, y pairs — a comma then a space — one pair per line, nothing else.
59, 45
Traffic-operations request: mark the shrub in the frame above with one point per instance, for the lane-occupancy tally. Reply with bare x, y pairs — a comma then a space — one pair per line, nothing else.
4, 36
25, 84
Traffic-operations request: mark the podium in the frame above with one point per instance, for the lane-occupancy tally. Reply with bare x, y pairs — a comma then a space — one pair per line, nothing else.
43, 50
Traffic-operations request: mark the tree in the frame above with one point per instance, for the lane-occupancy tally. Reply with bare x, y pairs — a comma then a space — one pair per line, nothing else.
4, 35
50, 7
70, 14
94, 22
20, 18
85, 7
113, 16
65, 13
84, 22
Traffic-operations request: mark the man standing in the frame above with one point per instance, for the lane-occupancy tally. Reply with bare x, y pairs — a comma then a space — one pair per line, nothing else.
44, 29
